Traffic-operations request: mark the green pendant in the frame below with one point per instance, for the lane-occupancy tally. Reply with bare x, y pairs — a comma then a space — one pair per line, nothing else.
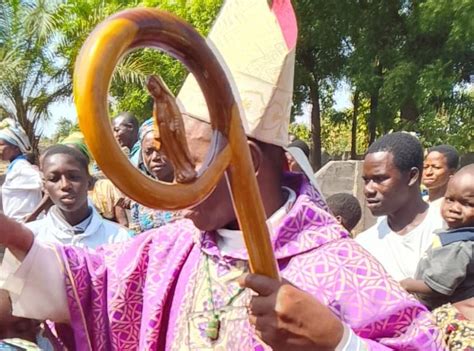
212, 330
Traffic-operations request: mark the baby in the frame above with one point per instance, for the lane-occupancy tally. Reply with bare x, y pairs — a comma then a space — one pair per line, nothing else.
446, 272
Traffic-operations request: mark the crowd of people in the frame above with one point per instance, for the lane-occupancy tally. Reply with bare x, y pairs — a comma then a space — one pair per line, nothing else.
87, 268
426, 247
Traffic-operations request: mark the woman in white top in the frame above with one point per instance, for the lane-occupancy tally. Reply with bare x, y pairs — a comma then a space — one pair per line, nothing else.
21, 191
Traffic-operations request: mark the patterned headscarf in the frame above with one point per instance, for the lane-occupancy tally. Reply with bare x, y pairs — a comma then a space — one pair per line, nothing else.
77, 140
148, 126
13, 133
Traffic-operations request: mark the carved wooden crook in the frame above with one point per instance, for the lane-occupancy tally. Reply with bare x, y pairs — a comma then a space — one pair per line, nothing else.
229, 152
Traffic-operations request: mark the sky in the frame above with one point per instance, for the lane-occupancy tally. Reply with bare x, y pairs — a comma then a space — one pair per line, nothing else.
342, 99
58, 110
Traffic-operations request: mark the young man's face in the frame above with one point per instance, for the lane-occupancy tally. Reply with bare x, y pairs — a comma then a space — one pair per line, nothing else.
66, 181
155, 161
458, 206
386, 188
436, 172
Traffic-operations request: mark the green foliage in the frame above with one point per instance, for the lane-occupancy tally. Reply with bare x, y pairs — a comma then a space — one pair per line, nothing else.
336, 130
301, 131
31, 78
320, 57
64, 128
127, 89
410, 60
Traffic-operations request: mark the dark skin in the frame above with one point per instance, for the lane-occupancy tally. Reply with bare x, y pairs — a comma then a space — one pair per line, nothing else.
66, 181
292, 165
343, 222
276, 310
155, 161
436, 175
15, 327
125, 127
8, 152
297, 332
457, 211
219, 203
284, 316
393, 193
458, 206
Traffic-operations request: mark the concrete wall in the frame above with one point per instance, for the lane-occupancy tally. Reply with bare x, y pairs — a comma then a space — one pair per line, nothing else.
346, 177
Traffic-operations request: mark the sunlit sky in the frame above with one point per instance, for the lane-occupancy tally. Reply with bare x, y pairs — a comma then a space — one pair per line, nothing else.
67, 109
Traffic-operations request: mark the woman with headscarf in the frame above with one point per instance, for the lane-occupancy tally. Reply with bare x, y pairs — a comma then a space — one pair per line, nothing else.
21, 191
155, 164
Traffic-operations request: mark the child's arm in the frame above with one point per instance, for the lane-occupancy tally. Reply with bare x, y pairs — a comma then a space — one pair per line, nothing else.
416, 286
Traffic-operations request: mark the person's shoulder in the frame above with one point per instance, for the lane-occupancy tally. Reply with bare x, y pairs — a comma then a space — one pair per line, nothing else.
112, 227
36, 226
433, 218
24, 171
374, 232
43, 230
24, 167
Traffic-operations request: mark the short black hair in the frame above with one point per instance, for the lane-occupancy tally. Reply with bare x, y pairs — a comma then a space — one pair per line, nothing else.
300, 144
60, 149
129, 118
448, 151
347, 206
406, 150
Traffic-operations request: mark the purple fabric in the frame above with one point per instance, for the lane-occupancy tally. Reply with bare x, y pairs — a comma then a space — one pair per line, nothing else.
127, 296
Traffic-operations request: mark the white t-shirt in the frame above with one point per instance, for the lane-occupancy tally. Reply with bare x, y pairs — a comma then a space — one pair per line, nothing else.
436, 204
94, 231
21, 191
399, 254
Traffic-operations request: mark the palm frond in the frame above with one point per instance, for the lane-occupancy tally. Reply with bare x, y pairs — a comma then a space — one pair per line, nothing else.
132, 70
39, 19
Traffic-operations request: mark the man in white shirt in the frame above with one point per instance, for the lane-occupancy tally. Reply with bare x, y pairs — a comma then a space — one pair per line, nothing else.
71, 220
392, 173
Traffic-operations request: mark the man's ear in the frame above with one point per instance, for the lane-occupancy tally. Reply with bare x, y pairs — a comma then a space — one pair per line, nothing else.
90, 183
339, 219
414, 176
256, 154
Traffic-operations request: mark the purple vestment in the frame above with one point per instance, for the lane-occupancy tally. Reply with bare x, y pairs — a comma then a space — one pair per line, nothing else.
129, 296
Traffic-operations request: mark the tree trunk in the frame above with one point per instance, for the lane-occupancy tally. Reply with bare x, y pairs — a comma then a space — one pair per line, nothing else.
355, 112
315, 125
374, 101
21, 116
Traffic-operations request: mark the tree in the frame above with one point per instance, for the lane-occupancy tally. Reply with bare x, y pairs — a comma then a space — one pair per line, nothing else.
375, 37
301, 132
31, 77
320, 57
412, 59
64, 128
127, 89
338, 136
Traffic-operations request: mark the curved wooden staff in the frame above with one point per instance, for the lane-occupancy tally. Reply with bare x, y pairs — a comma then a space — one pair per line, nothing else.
229, 151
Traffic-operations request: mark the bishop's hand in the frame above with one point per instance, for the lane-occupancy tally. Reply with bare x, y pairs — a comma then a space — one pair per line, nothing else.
287, 318
15, 237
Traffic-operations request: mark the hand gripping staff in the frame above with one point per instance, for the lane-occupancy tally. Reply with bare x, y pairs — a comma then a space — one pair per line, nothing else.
228, 153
